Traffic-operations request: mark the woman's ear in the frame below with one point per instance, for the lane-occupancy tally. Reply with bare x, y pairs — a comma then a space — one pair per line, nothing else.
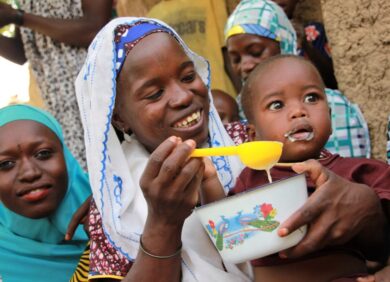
251, 131
117, 122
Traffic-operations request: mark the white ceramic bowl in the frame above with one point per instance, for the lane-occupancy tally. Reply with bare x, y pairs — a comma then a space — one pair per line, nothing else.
244, 226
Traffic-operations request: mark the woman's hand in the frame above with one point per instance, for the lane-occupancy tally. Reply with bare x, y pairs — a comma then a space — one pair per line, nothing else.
79, 217
336, 212
171, 182
211, 189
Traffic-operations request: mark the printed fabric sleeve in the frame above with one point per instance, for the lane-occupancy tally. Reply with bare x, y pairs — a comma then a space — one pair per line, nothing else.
105, 260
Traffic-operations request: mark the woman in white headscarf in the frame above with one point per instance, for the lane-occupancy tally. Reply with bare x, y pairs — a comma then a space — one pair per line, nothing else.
140, 76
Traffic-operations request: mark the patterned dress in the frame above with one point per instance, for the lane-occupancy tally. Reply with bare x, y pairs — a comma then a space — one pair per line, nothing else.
55, 66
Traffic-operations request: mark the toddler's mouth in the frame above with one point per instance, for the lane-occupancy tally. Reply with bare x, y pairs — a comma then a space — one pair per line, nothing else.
302, 133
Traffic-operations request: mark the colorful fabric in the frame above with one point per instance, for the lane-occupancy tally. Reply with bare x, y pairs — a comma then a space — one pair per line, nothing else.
264, 18
115, 170
375, 174
34, 249
82, 269
350, 136
315, 34
55, 66
105, 260
125, 41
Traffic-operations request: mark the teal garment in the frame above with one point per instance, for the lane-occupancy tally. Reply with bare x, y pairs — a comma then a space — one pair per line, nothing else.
34, 250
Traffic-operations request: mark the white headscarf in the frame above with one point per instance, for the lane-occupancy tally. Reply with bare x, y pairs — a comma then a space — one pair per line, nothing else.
115, 169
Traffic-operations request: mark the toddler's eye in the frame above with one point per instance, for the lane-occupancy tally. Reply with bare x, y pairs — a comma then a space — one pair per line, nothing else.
311, 98
276, 105
44, 154
155, 95
6, 165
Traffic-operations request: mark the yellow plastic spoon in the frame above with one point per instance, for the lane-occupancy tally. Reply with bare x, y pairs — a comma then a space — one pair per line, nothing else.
260, 155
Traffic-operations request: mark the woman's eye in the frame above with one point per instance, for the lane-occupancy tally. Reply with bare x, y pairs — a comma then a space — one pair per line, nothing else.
189, 78
44, 154
234, 59
311, 98
256, 54
155, 95
276, 105
6, 165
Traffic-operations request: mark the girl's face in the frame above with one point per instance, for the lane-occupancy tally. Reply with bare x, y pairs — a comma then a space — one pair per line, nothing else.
246, 51
33, 174
160, 93
292, 110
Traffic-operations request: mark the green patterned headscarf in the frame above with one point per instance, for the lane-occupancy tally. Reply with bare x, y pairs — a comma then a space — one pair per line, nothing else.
263, 18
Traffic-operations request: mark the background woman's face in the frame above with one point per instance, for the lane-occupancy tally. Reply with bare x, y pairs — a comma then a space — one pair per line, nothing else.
246, 51
33, 174
160, 94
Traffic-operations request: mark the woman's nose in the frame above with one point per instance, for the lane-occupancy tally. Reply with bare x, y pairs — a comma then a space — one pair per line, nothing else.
247, 66
29, 171
181, 96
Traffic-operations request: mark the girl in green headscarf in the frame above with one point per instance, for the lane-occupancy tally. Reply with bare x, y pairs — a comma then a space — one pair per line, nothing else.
41, 187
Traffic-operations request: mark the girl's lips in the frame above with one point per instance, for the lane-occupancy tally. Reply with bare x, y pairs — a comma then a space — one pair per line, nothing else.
36, 194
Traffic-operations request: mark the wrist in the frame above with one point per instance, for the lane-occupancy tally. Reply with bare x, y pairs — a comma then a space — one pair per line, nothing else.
18, 17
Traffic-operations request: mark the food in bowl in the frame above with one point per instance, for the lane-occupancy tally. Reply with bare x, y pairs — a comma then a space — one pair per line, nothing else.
244, 226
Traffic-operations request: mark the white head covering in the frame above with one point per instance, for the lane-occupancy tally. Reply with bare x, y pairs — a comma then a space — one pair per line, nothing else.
115, 170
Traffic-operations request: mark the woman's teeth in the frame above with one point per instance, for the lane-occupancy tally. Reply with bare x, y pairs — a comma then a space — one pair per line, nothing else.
188, 121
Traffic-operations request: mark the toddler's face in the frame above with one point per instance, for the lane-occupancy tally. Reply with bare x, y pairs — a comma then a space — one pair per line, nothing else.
33, 174
290, 106
246, 51
226, 106
160, 94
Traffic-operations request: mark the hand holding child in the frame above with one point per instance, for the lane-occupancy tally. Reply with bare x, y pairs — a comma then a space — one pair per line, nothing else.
334, 216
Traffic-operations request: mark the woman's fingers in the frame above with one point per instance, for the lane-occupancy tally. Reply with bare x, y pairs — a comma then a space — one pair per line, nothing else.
157, 158
79, 217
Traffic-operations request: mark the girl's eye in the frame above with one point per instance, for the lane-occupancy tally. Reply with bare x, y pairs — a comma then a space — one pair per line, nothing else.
189, 78
44, 154
6, 165
155, 95
311, 98
276, 105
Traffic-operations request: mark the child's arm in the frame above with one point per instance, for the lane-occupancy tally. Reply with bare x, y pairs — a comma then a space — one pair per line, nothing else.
211, 188
337, 212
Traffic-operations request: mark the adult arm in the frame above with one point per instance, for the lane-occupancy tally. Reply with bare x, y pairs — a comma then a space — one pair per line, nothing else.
337, 212
12, 48
170, 184
77, 31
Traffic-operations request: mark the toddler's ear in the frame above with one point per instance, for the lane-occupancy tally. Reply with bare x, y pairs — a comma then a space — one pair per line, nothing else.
251, 131
117, 122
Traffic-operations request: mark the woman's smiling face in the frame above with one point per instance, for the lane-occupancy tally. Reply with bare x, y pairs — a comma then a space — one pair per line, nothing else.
160, 94
33, 174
